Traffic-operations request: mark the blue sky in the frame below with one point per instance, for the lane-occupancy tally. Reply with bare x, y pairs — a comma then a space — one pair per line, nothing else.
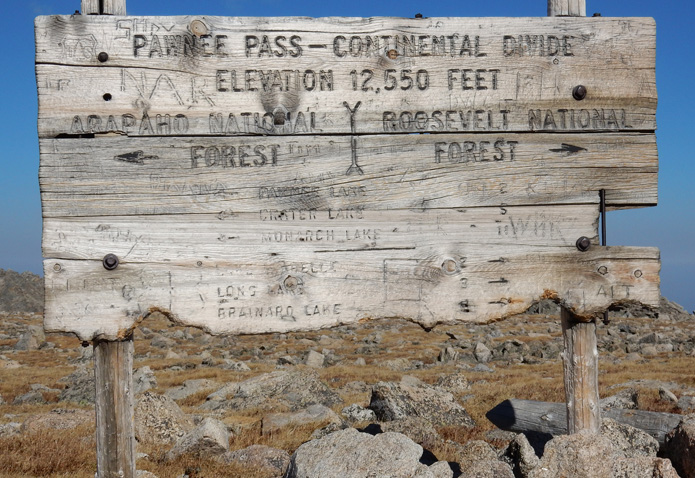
670, 226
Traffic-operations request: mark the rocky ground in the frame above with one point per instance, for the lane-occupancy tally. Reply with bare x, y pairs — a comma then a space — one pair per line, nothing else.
379, 399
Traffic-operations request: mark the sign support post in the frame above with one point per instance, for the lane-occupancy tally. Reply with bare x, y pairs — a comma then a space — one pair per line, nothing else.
113, 364
580, 357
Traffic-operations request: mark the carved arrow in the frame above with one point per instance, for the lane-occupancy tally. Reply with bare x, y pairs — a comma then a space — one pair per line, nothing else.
568, 149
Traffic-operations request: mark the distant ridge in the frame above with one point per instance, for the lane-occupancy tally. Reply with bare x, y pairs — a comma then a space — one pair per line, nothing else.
20, 292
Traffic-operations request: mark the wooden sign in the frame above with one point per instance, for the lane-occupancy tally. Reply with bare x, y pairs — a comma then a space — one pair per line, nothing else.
274, 174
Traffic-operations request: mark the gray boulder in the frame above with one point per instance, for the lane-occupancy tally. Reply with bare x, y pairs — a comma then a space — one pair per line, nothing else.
351, 454
210, 438
31, 339
521, 456
311, 414
629, 441
79, 386
584, 455
687, 404
159, 420
417, 429
191, 387
412, 398
296, 389
477, 459
680, 447
626, 399
455, 383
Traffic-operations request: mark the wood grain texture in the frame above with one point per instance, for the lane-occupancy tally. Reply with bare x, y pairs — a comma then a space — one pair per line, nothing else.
522, 73
150, 176
566, 8
261, 174
441, 283
551, 418
115, 435
580, 365
103, 7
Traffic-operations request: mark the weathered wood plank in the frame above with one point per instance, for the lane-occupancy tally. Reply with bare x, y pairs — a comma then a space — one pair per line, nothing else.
126, 176
307, 290
580, 365
512, 74
114, 404
544, 417
238, 237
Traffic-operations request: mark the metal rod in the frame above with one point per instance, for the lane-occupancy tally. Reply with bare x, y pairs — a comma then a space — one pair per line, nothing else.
602, 195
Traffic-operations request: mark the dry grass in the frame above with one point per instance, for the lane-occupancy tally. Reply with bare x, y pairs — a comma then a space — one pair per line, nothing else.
63, 453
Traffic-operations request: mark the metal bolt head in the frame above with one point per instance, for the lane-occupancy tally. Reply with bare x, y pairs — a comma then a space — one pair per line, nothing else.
418, 15
638, 273
596, 15
110, 262
583, 243
392, 54
449, 266
291, 283
579, 92
57, 267
103, 57
603, 270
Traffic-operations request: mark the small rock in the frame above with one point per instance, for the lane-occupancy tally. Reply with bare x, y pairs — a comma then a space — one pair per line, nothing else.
360, 362
10, 429
455, 383
666, 395
481, 353
259, 457
159, 341
143, 380
625, 399
687, 404
33, 397
287, 360
356, 413
648, 350
448, 354
314, 359
210, 438
633, 357
144, 474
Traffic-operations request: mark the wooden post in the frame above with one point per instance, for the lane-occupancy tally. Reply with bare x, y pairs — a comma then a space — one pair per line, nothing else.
566, 8
580, 360
580, 356
113, 366
103, 7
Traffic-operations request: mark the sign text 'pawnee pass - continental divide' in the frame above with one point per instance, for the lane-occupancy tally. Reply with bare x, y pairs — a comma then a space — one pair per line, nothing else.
275, 174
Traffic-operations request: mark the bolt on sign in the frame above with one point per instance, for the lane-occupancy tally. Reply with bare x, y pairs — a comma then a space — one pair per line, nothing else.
250, 175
